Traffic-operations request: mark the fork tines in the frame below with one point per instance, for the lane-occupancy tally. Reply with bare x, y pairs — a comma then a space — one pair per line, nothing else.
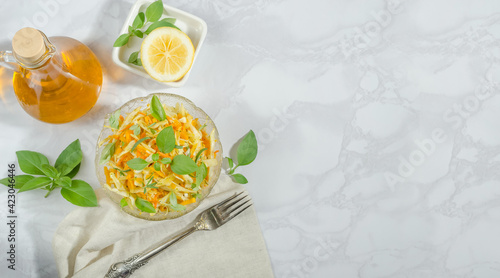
229, 210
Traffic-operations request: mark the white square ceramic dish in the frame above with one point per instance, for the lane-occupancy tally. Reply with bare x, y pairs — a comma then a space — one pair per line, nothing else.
192, 25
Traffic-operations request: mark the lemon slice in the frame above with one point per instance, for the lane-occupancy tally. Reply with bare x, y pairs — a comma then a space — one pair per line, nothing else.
167, 54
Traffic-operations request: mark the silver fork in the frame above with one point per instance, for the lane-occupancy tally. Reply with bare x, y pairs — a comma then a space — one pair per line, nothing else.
210, 219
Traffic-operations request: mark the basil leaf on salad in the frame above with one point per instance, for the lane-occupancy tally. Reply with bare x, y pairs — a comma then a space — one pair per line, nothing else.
114, 120
201, 174
137, 164
173, 203
136, 129
144, 205
139, 142
157, 110
183, 165
199, 153
166, 140
107, 153
123, 202
166, 160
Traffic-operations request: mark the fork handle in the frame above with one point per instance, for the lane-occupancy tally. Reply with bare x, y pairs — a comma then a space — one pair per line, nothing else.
127, 267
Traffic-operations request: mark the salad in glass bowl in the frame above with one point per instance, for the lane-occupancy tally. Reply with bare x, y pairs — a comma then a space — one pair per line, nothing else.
158, 156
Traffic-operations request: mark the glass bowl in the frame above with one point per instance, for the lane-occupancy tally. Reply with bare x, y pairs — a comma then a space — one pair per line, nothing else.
170, 100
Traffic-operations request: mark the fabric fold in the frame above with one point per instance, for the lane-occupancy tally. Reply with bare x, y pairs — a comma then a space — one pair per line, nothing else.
89, 240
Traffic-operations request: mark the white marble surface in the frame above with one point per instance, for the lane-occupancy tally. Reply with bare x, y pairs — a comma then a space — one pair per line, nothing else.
378, 124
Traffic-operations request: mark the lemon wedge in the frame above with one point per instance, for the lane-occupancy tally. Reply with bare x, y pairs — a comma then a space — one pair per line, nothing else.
167, 54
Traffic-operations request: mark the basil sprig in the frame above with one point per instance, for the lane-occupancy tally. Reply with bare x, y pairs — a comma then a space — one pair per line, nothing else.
152, 15
246, 154
50, 177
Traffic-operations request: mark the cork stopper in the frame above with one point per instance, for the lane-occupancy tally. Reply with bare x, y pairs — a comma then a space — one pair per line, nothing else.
28, 45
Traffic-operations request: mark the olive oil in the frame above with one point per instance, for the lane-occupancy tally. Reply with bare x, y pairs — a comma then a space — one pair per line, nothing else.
63, 87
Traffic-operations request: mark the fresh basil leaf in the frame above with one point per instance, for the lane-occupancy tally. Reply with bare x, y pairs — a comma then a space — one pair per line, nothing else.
154, 11
183, 165
136, 129
139, 142
114, 120
131, 30
197, 195
158, 25
138, 62
49, 171
230, 162
169, 20
35, 183
137, 164
155, 156
19, 180
166, 140
139, 20
173, 203
138, 33
172, 198
133, 57
63, 181
177, 207
199, 153
80, 193
239, 178
123, 202
157, 109
107, 153
247, 150
73, 172
69, 158
201, 174
31, 162
166, 160
157, 166
5, 181
144, 205
121, 40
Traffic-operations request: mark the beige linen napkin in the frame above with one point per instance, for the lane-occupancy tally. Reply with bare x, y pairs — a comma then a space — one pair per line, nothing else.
89, 240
